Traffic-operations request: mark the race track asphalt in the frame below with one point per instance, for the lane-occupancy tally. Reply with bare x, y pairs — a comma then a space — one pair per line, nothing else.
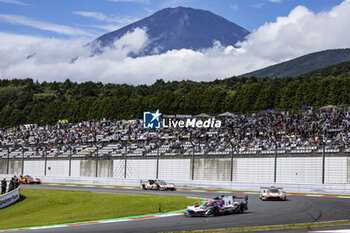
297, 209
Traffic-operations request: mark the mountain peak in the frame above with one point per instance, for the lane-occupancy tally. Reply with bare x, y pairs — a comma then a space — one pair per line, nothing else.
180, 28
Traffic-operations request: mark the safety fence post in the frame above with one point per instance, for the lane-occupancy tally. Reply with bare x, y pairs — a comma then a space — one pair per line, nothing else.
70, 161
22, 169
96, 172
192, 169
8, 161
45, 168
157, 171
231, 171
323, 160
275, 169
125, 157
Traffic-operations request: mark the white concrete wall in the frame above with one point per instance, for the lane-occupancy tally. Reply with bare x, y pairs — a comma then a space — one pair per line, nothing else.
142, 169
179, 169
118, 169
135, 168
75, 172
252, 169
337, 170
57, 168
297, 170
34, 167
61, 168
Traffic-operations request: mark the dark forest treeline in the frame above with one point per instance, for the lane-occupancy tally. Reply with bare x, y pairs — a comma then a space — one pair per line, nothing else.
26, 101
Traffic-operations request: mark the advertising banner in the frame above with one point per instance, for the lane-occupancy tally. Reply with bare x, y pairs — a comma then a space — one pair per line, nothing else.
9, 198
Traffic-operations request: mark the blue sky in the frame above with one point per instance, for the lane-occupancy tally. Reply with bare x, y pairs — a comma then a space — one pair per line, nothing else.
90, 18
40, 38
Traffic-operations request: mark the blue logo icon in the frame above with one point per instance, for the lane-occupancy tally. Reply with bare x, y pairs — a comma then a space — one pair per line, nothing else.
151, 120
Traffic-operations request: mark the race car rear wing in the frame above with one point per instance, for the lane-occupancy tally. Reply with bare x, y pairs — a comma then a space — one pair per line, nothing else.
271, 187
231, 199
242, 198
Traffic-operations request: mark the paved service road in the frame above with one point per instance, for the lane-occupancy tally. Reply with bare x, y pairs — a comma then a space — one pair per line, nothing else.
297, 209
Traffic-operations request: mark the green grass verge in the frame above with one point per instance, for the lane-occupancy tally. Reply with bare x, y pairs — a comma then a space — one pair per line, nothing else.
39, 207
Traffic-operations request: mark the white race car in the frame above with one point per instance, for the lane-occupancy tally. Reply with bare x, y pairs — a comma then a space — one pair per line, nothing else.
157, 185
272, 193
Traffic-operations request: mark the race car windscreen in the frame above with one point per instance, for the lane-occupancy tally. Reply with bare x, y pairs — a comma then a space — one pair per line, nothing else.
207, 204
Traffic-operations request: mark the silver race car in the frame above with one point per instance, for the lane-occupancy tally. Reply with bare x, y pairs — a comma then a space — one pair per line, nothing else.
157, 185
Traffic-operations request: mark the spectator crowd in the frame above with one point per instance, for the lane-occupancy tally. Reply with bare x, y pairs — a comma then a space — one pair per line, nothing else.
242, 133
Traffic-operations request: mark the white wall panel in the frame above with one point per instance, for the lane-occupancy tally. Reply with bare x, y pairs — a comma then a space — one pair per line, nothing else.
336, 170
174, 169
75, 172
118, 168
34, 167
299, 170
253, 169
57, 168
141, 168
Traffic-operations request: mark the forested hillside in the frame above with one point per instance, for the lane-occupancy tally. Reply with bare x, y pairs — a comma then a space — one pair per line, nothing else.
303, 64
27, 101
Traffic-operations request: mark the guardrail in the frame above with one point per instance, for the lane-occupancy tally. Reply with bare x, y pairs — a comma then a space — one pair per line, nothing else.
9, 198
205, 184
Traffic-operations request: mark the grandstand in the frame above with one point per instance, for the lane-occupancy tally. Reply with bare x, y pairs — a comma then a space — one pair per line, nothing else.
256, 134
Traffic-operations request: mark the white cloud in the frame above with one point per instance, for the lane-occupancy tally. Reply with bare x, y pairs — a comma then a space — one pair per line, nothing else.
113, 23
299, 33
275, 0
234, 7
92, 14
14, 2
101, 17
106, 27
60, 29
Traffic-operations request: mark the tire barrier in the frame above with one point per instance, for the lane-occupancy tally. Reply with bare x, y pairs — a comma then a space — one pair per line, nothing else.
9, 198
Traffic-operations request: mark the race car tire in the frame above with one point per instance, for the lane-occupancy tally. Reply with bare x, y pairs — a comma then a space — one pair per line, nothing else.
143, 187
211, 213
241, 209
216, 212
158, 187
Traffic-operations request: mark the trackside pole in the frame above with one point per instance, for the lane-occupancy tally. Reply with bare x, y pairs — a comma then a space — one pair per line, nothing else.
22, 170
192, 178
157, 171
45, 162
275, 169
96, 172
323, 160
126, 152
8, 161
70, 161
231, 162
